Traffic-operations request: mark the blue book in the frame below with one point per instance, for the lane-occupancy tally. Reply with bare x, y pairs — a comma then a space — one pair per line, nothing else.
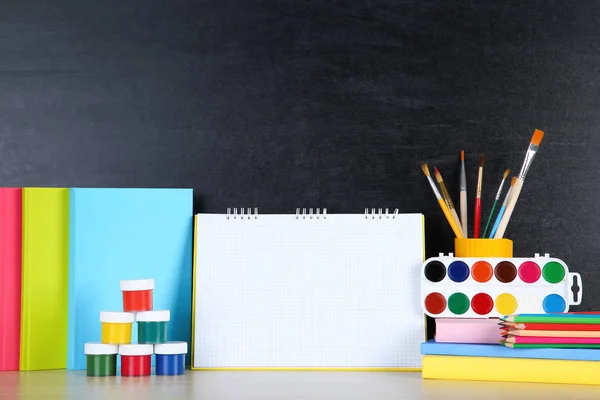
497, 350
127, 234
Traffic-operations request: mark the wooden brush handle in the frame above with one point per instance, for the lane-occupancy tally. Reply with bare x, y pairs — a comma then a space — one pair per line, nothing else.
514, 196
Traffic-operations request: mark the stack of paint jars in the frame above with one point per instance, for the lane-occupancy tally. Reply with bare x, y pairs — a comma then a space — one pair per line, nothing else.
152, 337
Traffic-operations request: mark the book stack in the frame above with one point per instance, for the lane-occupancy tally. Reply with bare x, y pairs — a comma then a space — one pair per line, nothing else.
539, 348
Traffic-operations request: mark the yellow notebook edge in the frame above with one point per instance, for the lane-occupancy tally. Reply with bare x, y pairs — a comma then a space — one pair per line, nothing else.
193, 339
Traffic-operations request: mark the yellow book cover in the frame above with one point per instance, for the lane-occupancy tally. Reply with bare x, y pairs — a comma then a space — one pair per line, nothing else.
45, 279
503, 369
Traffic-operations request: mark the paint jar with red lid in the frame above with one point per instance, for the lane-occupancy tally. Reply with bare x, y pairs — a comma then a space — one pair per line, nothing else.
170, 358
136, 359
137, 295
152, 326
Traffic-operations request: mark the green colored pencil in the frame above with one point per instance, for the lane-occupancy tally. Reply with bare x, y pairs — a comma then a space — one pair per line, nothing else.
487, 225
555, 318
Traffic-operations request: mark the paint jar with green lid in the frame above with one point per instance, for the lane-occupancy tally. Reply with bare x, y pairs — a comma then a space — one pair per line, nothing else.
101, 359
152, 326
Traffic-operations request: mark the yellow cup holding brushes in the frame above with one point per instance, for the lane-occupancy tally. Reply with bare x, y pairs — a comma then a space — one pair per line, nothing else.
483, 247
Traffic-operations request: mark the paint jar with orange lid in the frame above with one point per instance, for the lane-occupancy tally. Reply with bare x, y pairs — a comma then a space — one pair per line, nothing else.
137, 295
116, 327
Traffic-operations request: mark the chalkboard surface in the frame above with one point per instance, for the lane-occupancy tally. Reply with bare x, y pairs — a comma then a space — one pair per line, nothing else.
336, 104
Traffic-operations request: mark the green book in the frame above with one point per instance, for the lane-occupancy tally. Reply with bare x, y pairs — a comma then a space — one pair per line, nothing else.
45, 274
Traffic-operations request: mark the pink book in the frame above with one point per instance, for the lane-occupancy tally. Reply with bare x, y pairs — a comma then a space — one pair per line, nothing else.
10, 278
467, 330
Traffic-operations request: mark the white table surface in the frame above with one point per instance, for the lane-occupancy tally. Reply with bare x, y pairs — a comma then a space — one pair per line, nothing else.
276, 385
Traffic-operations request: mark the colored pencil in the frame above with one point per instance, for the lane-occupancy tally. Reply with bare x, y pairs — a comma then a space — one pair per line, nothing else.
503, 207
477, 217
534, 144
551, 340
442, 203
489, 220
570, 333
447, 198
550, 345
553, 327
463, 195
555, 318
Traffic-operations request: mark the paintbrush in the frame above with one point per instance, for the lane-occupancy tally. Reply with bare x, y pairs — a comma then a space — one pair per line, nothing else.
463, 195
447, 198
487, 225
477, 217
534, 144
503, 208
441, 202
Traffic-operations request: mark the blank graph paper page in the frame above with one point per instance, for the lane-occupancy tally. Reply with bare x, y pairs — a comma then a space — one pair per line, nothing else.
291, 291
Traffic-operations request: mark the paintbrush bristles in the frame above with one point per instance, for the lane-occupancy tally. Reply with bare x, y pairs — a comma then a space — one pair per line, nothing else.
537, 136
462, 155
506, 173
425, 169
481, 160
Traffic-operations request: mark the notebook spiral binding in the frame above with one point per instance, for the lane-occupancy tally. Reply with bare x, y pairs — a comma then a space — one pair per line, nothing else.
316, 214
233, 213
380, 213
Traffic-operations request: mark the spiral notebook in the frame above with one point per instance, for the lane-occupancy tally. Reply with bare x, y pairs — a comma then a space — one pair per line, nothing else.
307, 290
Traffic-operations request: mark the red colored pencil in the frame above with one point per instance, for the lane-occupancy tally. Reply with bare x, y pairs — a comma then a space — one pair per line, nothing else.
477, 218
553, 327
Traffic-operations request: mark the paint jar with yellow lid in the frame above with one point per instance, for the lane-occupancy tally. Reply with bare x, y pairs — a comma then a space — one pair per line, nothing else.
116, 327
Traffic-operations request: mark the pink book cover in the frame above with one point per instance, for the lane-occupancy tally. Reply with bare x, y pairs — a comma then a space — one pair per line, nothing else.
10, 277
467, 330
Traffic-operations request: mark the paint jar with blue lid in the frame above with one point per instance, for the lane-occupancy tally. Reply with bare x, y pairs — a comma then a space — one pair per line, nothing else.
170, 358
152, 326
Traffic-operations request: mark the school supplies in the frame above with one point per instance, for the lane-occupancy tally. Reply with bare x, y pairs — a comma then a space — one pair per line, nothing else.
447, 198
502, 219
554, 334
477, 219
554, 318
467, 330
551, 340
442, 203
45, 277
310, 290
550, 327
503, 207
464, 219
121, 234
504, 369
482, 287
10, 277
529, 156
433, 347
489, 220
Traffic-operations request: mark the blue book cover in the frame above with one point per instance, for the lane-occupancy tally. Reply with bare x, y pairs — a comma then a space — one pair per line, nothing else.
497, 350
126, 234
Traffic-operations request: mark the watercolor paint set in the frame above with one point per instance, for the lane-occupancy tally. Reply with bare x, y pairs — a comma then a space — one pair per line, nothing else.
489, 287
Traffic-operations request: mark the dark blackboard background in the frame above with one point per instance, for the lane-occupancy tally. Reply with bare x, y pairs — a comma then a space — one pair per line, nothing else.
334, 104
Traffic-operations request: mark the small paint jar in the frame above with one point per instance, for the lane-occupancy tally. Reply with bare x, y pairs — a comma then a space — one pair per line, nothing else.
136, 359
116, 327
101, 359
170, 358
152, 326
137, 295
